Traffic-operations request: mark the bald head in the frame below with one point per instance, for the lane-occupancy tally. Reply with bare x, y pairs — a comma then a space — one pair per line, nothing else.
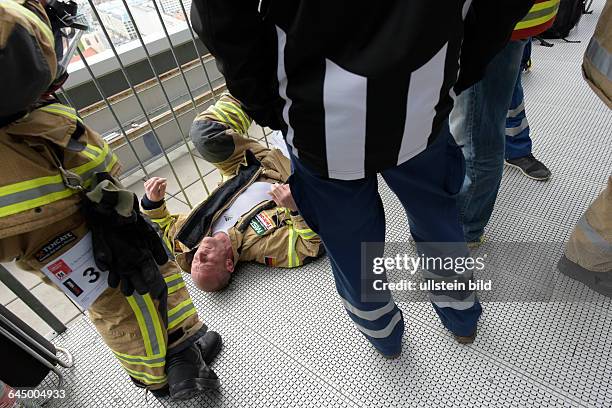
213, 263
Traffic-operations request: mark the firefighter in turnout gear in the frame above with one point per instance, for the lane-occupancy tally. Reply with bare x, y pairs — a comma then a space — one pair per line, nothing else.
249, 217
55, 171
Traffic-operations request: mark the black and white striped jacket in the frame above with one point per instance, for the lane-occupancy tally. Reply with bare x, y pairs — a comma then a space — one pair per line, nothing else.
356, 86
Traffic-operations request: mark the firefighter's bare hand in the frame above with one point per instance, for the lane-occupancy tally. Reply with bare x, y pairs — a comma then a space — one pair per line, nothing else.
281, 194
155, 188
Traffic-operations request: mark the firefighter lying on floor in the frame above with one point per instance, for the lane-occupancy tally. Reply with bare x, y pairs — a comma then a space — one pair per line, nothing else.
65, 217
249, 217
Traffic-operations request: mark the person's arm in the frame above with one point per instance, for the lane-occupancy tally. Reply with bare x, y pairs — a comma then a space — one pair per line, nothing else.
244, 46
488, 28
154, 207
302, 242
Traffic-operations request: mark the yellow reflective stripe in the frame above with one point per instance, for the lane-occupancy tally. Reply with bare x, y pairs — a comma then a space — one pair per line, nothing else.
180, 319
238, 112
96, 148
216, 115
35, 202
535, 22
62, 110
88, 154
174, 282
45, 185
176, 287
151, 358
84, 168
241, 114
178, 307
544, 5
227, 119
529, 22
180, 312
137, 360
291, 255
141, 324
165, 224
173, 277
306, 233
29, 184
30, 15
156, 323
145, 377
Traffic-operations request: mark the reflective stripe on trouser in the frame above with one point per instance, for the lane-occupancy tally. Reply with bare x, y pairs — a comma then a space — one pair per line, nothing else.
133, 329
590, 244
347, 213
518, 142
600, 58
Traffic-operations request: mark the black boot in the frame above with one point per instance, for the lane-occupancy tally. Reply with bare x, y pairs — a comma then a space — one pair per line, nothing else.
188, 372
210, 345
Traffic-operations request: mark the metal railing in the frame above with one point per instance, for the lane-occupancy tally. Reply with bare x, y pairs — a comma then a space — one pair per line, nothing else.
160, 108
167, 124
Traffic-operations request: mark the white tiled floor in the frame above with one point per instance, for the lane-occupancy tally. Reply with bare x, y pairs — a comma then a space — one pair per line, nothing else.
289, 343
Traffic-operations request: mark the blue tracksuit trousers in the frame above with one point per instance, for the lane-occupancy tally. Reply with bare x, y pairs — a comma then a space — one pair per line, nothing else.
348, 213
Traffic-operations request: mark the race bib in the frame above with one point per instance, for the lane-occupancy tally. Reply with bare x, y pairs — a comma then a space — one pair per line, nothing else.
76, 274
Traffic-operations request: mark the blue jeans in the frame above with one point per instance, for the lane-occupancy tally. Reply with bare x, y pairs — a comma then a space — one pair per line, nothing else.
478, 123
348, 213
518, 141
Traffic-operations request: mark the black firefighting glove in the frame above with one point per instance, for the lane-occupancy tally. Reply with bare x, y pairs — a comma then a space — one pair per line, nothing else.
125, 243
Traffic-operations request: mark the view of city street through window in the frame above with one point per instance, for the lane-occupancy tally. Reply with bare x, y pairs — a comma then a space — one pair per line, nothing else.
120, 26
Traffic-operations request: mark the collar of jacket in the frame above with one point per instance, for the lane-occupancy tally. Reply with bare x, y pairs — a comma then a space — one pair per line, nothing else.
39, 125
200, 220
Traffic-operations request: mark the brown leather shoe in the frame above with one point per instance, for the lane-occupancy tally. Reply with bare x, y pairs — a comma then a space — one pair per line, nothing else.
466, 339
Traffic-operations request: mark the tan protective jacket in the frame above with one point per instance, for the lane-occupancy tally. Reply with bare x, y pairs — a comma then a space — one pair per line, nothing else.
597, 64
286, 241
40, 221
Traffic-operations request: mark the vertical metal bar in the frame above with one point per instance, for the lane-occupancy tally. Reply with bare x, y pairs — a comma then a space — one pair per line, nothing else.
28, 298
163, 89
195, 45
178, 64
265, 136
144, 111
112, 110
65, 93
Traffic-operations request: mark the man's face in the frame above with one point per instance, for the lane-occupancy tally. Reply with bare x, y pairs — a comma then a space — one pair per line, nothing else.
212, 264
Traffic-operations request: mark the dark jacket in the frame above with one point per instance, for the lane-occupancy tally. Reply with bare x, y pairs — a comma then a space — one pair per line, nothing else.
276, 61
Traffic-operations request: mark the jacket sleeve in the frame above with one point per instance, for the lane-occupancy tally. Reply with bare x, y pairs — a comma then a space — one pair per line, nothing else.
291, 245
166, 222
244, 46
488, 28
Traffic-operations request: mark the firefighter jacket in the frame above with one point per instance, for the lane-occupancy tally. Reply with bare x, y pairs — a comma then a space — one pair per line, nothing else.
44, 155
597, 64
539, 19
265, 234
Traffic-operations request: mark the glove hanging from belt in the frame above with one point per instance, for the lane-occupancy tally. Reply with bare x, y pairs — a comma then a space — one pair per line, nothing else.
125, 243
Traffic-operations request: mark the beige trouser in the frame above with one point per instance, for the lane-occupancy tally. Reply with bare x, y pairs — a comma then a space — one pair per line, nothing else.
132, 326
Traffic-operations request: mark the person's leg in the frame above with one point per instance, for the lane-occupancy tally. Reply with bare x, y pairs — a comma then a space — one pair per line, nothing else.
427, 186
518, 142
345, 214
478, 125
518, 139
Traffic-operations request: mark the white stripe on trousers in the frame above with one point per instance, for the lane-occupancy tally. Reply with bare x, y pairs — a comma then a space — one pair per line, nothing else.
382, 333
370, 315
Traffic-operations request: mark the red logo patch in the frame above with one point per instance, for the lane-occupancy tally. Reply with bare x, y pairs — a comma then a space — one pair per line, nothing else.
60, 269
